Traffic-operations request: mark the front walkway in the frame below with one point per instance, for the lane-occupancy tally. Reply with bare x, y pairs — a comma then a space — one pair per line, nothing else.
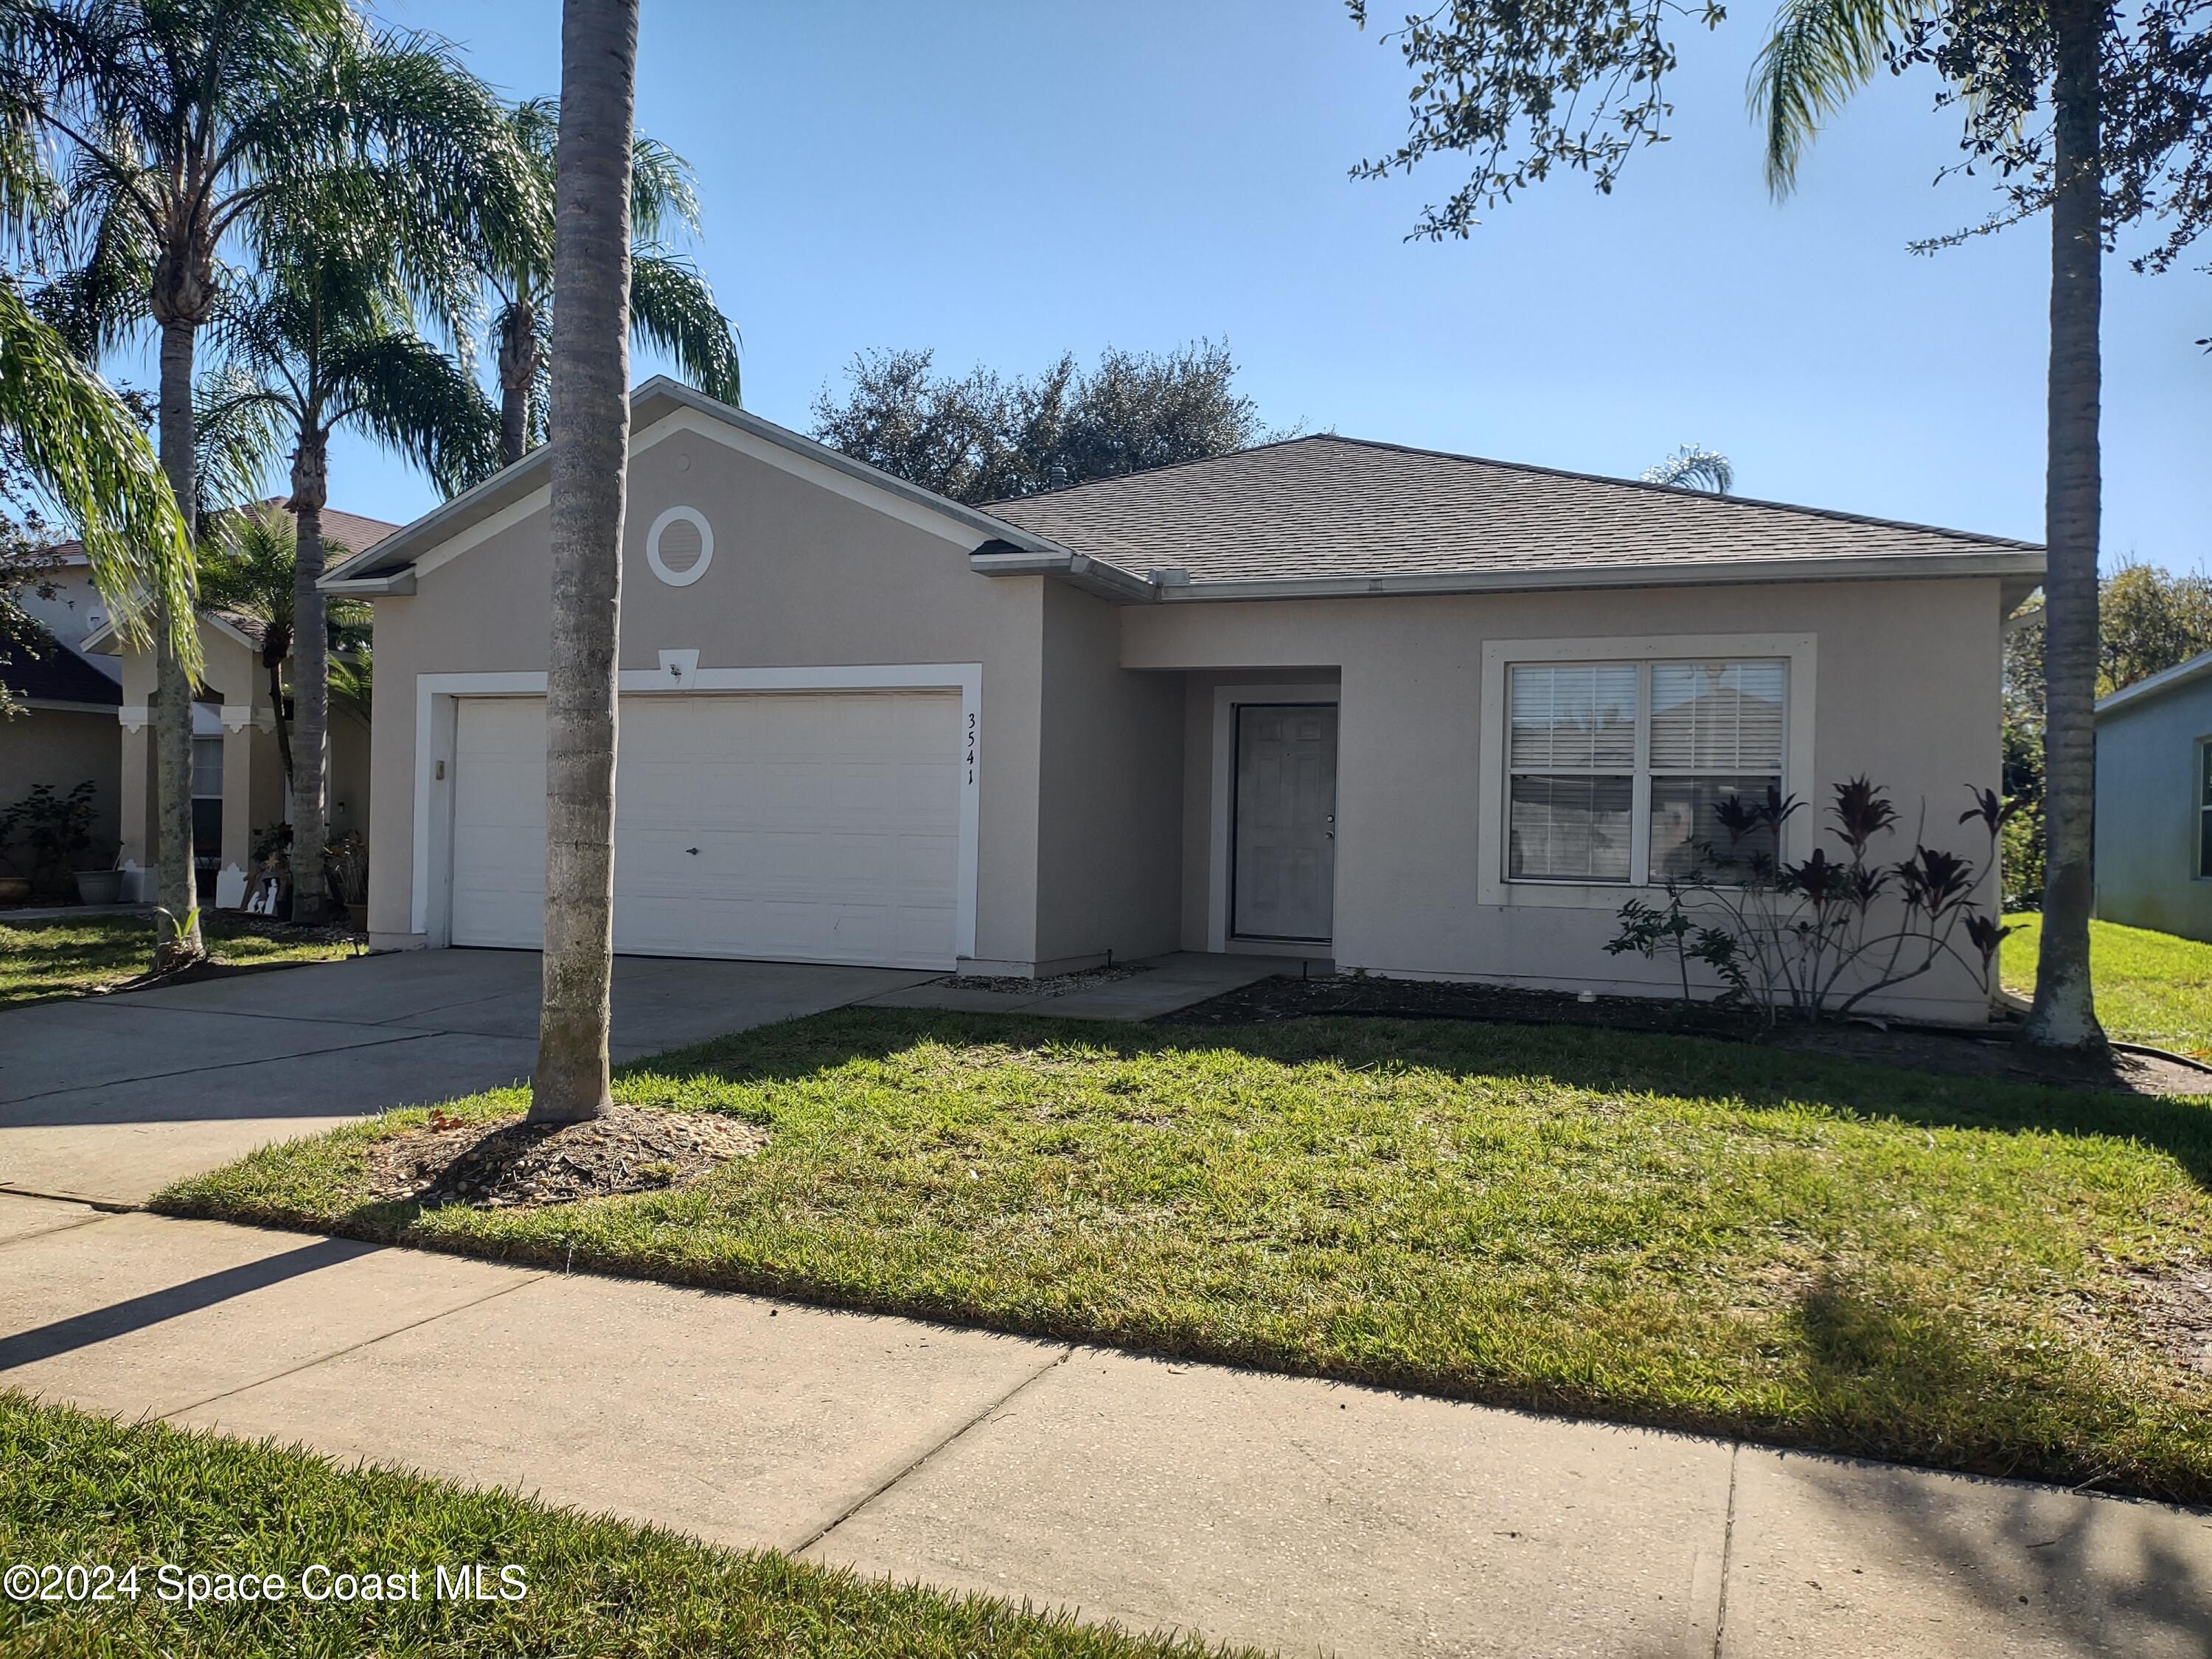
1292, 1514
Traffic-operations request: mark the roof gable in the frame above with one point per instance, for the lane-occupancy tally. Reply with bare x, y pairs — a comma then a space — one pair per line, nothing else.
659, 407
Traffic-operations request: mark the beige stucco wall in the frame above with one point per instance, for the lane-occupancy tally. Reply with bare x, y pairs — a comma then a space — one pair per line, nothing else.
253, 764
1906, 690
802, 575
1109, 863
64, 747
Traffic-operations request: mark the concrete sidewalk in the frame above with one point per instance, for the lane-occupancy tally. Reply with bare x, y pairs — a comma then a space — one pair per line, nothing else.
1292, 1514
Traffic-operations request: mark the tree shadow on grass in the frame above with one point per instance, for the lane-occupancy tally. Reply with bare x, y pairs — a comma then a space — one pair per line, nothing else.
1602, 1061
2098, 1576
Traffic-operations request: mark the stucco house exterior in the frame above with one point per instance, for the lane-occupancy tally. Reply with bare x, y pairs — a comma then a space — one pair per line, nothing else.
1403, 711
238, 775
2154, 802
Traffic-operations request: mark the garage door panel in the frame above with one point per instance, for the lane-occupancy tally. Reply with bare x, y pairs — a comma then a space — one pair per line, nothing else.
826, 825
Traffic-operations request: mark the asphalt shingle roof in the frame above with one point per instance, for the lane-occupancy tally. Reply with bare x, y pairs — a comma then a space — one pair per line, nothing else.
1331, 507
57, 674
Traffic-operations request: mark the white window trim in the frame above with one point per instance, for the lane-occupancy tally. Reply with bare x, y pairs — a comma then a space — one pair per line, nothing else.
1226, 700
436, 715
1491, 886
2198, 755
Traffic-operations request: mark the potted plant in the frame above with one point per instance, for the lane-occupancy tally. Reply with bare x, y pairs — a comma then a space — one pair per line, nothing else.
56, 828
100, 886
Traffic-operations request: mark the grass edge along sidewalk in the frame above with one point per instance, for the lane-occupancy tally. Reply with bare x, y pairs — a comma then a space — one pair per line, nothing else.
1667, 1230
85, 1489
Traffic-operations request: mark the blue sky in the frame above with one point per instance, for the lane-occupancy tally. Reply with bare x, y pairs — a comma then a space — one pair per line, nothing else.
1002, 180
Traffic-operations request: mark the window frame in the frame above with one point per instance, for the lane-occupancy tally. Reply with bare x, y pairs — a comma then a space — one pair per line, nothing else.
2200, 786
1494, 886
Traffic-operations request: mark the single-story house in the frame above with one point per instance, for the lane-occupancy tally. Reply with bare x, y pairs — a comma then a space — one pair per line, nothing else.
2154, 802
1403, 712
238, 788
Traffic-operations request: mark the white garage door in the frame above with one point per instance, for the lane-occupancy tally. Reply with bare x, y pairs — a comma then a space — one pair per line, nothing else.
815, 827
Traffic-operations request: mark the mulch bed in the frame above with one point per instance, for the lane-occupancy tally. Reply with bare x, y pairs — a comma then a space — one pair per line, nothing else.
1991, 1053
507, 1164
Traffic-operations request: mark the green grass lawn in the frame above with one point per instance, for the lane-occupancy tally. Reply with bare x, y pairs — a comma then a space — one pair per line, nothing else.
2154, 989
85, 1490
41, 960
1658, 1229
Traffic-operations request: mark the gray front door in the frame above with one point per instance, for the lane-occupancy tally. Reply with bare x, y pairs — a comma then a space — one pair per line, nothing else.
1284, 839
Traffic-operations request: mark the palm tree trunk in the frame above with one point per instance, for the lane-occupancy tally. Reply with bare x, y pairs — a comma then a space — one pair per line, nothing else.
2065, 1015
177, 943
284, 726
518, 369
591, 457
311, 679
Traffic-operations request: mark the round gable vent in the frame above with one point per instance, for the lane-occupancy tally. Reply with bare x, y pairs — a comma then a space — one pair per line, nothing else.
680, 546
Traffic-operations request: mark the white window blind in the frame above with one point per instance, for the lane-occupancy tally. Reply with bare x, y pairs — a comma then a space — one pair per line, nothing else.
207, 769
1718, 717
1617, 771
1578, 717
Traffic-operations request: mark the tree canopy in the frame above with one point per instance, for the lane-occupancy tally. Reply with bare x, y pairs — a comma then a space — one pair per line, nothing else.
987, 436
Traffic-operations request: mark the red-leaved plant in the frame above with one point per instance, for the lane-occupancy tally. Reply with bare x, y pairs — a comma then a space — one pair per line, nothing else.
1814, 938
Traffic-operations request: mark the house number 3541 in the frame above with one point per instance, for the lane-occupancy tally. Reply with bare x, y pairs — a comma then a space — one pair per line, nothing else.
971, 745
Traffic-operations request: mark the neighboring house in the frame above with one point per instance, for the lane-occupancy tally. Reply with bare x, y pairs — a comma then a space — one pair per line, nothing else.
65, 735
238, 775
1258, 703
2154, 802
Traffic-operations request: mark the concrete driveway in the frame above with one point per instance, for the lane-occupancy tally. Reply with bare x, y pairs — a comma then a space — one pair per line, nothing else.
110, 1099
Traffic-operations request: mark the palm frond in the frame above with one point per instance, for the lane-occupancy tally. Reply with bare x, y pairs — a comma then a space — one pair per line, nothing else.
664, 197
240, 428
1817, 53
87, 452
1693, 467
672, 306
414, 399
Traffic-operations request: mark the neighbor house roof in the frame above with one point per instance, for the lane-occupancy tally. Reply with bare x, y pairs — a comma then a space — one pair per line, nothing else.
354, 532
1319, 515
2158, 685
58, 675
1346, 512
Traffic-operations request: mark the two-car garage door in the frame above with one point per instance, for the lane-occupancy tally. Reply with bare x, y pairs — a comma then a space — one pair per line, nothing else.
813, 826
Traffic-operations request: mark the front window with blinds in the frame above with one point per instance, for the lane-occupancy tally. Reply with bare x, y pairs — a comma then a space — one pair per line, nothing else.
1617, 770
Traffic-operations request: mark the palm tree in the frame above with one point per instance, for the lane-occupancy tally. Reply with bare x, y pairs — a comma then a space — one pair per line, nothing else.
591, 463
89, 454
1693, 467
671, 307
249, 564
322, 338
1820, 52
180, 123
